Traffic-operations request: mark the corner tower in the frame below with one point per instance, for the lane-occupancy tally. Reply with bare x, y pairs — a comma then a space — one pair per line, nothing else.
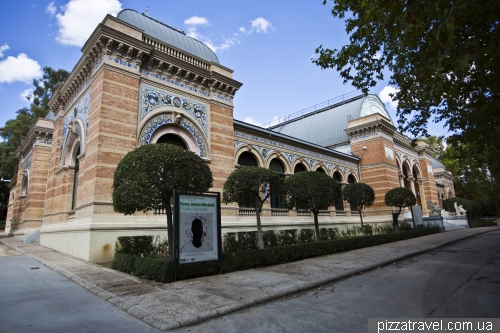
139, 81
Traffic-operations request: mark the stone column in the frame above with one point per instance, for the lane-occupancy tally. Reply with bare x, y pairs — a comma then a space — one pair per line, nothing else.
412, 185
401, 179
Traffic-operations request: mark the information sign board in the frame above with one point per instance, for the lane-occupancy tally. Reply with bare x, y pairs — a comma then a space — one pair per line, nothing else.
197, 227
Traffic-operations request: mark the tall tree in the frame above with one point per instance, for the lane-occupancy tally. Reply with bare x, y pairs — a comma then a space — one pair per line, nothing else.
15, 130
443, 58
251, 186
146, 177
312, 190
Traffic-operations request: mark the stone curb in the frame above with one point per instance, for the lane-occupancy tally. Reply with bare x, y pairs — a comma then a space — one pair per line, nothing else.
169, 324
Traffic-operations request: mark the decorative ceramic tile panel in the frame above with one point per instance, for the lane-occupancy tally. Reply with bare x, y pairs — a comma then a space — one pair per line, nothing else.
312, 163
151, 126
79, 112
289, 157
153, 98
27, 163
176, 83
123, 63
238, 144
329, 166
154, 123
264, 152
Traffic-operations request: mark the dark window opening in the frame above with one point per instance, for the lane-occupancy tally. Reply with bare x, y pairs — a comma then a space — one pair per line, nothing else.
277, 200
247, 159
172, 139
299, 168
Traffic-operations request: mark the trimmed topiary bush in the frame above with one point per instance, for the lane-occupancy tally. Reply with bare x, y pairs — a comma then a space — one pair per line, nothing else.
251, 187
145, 178
312, 190
400, 197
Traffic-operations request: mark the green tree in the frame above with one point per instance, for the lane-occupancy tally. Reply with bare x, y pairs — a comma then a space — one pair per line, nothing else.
442, 55
45, 87
311, 190
15, 130
436, 143
145, 178
473, 169
400, 197
359, 196
251, 186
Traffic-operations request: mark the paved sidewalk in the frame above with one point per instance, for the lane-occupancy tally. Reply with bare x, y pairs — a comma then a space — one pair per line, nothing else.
173, 305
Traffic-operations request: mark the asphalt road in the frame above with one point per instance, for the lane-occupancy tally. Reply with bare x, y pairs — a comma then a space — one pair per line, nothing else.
34, 298
457, 281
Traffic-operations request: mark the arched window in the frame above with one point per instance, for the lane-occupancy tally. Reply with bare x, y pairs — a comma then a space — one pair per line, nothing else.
75, 180
247, 159
351, 179
339, 205
277, 200
299, 168
173, 140
320, 170
24, 183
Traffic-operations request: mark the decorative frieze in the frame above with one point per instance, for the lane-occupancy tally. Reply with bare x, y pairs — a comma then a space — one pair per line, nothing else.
154, 98
296, 149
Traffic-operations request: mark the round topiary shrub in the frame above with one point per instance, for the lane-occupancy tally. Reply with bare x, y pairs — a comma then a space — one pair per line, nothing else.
400, 197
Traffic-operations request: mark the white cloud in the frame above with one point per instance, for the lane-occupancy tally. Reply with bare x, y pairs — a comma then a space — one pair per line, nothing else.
192, 24
196, 20
51, 9
242, 29
20, 68
386, 99
4, 47
79, 18
260, 24
26, 93
252, 121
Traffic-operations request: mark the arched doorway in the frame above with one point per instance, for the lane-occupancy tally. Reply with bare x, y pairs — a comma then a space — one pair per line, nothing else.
320, 170
351, 179
172, 139
277, 200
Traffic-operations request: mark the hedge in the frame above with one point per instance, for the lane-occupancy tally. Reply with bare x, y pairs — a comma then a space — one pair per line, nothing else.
161, 270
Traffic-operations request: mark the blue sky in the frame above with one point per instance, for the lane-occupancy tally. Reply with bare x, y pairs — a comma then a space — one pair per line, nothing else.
268, 44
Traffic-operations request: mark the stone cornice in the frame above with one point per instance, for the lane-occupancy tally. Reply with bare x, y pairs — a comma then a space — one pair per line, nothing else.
378, 125
144, 54
41, 131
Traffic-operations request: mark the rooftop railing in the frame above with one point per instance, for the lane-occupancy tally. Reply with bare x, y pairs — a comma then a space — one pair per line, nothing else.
324, 106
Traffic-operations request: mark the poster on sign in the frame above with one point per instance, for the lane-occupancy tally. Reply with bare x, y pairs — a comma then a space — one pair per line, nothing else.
197, 227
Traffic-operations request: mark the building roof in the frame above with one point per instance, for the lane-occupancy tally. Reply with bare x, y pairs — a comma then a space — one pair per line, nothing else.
436, 164
326, 126
168, 34
273, 135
